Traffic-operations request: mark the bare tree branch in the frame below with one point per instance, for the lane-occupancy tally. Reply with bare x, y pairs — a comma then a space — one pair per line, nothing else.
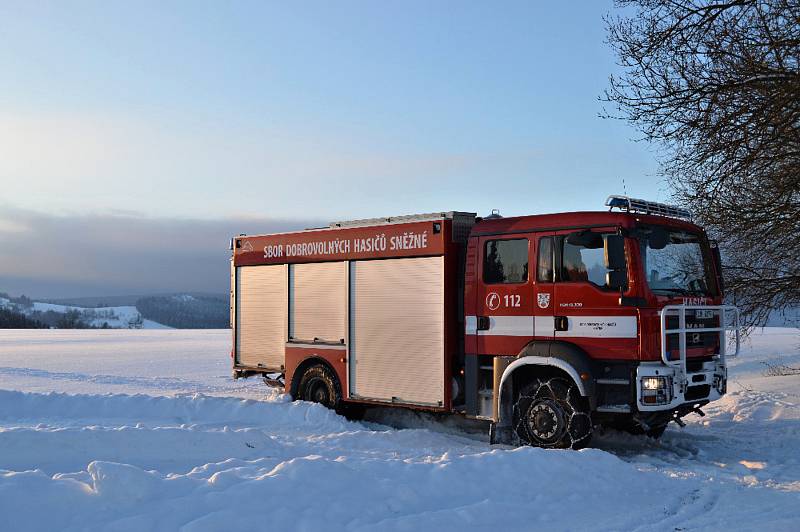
717, 86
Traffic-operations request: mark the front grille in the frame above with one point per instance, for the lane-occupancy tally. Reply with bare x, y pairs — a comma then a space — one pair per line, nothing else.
694, 340
673, 322
695, 364
697, 392
708, 341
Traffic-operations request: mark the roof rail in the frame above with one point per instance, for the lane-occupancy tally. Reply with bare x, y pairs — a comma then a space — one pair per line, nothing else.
451, 215
633, 205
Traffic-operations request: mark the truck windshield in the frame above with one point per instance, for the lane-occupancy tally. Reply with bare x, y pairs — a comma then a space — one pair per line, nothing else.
676, 262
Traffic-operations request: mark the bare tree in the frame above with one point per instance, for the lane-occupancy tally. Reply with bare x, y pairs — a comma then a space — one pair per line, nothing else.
716, 86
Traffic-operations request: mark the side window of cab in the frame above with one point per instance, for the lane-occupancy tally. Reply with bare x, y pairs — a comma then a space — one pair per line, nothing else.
505, 261
583, 259
544, 261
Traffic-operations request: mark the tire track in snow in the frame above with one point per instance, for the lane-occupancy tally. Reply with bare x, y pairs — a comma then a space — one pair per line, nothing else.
209, 463
194, 462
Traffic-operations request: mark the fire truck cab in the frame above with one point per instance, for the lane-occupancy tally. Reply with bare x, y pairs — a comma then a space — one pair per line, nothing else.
546, 326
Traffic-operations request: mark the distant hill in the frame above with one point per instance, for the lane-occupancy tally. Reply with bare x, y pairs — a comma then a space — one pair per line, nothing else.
186, 311
94, 302
22, 312
182, 311
117, 301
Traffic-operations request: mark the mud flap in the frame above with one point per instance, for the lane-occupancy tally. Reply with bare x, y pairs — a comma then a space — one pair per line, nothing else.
501, 435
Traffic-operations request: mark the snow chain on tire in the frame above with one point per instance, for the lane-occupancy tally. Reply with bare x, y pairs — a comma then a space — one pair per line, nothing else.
319, 374
577, 428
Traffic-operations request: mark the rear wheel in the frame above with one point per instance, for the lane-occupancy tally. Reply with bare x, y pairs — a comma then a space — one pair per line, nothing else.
551, 413
319, 385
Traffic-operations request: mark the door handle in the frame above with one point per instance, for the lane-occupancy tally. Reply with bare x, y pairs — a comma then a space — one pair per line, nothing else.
483, 323
561, 323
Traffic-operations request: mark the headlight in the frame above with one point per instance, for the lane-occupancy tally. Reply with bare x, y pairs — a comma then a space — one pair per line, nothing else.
653, 383
656, 390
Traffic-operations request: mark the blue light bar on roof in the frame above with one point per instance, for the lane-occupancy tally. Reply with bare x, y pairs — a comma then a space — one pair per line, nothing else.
639, 206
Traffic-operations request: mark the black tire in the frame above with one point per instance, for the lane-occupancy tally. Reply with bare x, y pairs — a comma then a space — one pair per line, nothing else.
551, 413
319, 385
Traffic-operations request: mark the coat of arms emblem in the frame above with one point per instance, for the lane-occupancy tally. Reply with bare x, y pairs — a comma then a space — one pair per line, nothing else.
543, 300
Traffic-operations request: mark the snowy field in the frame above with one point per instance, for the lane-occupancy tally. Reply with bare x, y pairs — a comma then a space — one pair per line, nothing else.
145, 430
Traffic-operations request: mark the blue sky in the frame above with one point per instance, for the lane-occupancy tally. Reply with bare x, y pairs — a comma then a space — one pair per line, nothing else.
308, 110
336, 108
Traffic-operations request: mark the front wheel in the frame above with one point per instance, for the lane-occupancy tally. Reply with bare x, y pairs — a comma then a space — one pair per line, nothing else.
319, 385
551, 413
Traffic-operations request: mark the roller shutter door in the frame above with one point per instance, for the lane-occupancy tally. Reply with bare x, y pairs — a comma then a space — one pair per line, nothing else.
397, 330
261, 309
318, 301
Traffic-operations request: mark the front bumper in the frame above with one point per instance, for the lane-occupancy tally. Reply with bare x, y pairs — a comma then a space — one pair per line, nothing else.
708, 383
681, 383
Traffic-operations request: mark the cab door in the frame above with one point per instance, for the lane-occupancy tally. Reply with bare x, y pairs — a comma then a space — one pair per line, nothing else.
544, 286
504, 298
586, 311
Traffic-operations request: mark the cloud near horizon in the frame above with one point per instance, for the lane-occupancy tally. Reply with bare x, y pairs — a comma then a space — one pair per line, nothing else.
117, 160
93, 255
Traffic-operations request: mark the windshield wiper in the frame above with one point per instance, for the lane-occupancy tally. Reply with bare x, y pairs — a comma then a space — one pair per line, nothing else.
672, 290
682, 291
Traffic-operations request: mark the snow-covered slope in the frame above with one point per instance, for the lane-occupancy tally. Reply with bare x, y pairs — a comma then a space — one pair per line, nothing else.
236, 457
116, 317
119, 317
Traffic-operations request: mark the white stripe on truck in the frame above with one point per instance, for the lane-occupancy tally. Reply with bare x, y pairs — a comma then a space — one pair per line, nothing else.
502, 326
577, 326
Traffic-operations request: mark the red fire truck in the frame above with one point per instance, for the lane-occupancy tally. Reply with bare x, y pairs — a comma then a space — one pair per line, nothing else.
546, 326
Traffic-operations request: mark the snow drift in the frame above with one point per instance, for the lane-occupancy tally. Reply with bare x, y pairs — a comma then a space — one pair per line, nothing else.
171, 460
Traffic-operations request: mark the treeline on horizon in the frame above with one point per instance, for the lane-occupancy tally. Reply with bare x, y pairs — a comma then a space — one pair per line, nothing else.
178, 311
21, 315
16, 318
12, 319
186, 312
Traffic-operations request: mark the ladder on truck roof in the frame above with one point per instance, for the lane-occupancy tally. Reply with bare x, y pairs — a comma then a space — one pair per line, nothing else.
407, 218
640, 206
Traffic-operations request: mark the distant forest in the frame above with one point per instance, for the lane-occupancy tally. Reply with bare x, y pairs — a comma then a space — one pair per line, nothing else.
186, 312
15, 320
11, 318
181, 311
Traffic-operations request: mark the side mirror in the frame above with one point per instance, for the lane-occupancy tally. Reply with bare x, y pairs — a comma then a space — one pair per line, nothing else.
586, 239
614, 256
616, 279
659, 238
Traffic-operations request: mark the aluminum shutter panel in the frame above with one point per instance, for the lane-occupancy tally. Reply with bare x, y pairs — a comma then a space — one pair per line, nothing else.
397, 330
261, 308
318, 301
